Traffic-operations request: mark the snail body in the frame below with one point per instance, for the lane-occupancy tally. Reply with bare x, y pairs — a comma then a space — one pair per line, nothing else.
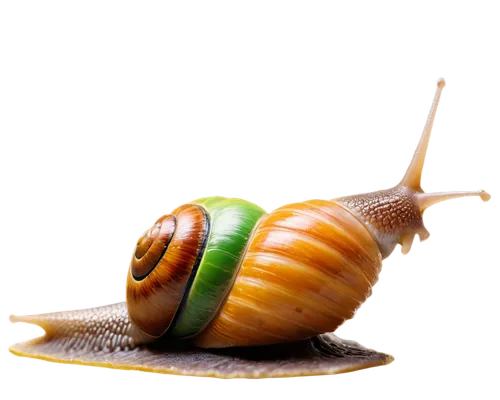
221, 273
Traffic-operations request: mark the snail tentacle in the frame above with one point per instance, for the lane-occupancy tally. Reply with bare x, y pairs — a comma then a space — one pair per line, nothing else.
425, 200
413, 175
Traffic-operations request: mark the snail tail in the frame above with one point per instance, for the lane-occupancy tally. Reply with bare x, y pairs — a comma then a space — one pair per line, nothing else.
106, 328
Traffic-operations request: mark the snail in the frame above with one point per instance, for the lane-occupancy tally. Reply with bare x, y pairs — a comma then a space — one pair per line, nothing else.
221, 288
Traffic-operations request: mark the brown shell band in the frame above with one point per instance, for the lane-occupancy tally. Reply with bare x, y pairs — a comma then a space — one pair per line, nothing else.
151, 247
161, 266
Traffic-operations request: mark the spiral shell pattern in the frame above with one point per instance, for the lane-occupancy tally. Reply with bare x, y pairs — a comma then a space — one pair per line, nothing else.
307, 269
224, 273
163, 261
183, 267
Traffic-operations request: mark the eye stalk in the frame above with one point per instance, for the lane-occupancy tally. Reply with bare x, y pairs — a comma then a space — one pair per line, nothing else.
425, 200
394, 216
414, 173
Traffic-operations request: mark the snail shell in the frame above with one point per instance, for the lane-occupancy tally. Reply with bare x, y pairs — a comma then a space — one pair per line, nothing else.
223, 268
220, 272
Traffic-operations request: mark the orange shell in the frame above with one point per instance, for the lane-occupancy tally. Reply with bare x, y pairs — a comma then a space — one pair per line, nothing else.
307, 268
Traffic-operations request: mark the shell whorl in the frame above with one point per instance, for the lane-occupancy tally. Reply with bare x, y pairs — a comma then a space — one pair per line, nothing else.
151, 246
163, 261
307, 268
183, 267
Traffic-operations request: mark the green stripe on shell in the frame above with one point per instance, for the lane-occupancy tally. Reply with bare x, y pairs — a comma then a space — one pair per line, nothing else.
231, 224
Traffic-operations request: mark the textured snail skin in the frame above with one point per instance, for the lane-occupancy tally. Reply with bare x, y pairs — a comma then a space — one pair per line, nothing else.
122, 346
388, 215
221, 288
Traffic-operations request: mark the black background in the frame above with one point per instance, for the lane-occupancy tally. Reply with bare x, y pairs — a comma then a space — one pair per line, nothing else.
115, 149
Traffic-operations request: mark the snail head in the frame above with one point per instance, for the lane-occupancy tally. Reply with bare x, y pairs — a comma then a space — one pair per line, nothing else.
394, 216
